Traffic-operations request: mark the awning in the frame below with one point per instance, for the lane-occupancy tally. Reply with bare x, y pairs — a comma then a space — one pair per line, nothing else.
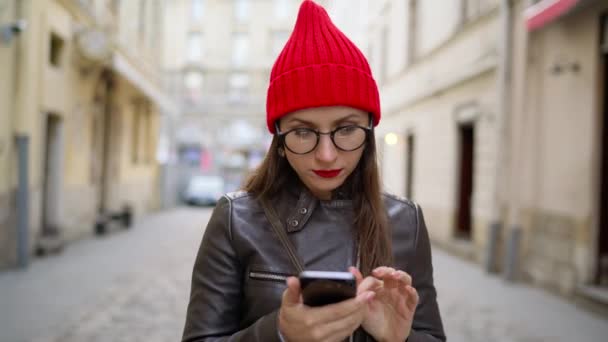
122, 66
546, 11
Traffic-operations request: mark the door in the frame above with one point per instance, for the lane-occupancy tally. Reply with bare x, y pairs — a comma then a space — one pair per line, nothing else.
467, 148
52, 171
409, 167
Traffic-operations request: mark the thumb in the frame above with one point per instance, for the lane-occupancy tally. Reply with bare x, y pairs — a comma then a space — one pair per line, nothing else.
357, 274
291, 296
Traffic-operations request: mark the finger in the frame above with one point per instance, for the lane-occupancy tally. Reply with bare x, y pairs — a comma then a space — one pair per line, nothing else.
358, 276
403, 278
370, 284
412, 298
341, 329
385, 273
382, 271
336, 311
291, 295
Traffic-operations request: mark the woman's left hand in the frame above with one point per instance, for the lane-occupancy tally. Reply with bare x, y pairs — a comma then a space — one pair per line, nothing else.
391, 311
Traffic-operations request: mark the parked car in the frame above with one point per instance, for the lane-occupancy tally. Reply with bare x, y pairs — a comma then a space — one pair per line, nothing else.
204, 190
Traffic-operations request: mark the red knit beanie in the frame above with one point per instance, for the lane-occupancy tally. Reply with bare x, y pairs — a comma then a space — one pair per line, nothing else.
319, 66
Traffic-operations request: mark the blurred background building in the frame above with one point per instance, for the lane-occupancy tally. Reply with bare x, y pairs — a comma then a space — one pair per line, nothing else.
217, 63
80, 101
492, 121
494, 118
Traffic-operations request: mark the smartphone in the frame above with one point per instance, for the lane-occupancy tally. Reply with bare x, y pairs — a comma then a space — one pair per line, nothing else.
322, 287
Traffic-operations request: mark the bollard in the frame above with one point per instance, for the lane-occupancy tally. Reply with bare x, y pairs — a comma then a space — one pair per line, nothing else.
490, 261
127, 216
512, 257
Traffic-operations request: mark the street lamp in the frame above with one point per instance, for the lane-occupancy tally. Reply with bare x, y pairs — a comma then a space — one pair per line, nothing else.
391, 139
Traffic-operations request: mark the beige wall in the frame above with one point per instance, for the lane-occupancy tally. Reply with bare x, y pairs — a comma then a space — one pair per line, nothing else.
473, 51
33, 88
450, 80
552, 151
434, 124
557, 148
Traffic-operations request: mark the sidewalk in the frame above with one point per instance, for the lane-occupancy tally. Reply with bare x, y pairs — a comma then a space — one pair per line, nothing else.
476, 306
129, 285
134, 285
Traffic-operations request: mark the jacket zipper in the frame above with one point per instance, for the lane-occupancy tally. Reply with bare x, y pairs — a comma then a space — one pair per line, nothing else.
268, 276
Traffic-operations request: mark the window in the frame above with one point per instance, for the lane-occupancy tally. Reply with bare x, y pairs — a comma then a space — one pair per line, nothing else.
240, 49
410, 52
278, 41
384, 57
195, 47
197, 9
142, 16
473, 9
238, 84
149, 135
56, 47
241, 10
141, 146
281, 9
114, 6
193, 82
136, 132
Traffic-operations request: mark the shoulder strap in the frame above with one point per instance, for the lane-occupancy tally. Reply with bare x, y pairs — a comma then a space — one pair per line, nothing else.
279, 230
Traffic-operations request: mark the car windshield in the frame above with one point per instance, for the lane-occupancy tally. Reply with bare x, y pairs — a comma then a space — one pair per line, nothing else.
207, 184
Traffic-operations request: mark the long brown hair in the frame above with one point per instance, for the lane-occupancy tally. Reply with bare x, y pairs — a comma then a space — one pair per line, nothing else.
371, 222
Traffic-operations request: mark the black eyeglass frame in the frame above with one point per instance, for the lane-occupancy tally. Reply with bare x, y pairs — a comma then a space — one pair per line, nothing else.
331, 134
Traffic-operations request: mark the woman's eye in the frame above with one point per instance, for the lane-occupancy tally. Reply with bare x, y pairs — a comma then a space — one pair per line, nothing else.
303, 133
346, 130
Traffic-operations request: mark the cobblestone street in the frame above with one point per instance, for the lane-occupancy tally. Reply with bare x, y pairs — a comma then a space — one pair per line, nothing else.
133, 286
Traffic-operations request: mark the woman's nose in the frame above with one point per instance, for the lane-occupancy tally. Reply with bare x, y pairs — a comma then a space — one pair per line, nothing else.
326, 151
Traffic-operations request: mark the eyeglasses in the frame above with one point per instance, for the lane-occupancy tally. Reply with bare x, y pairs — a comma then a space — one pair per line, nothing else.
305, 140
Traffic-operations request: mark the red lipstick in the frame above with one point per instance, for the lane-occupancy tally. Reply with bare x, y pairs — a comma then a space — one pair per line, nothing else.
327, 173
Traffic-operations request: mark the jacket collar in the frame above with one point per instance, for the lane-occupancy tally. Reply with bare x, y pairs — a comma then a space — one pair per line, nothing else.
297, 204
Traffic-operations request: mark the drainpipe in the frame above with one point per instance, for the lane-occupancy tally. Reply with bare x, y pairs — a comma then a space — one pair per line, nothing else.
502, 137
22, 139
107, 125
102, 211
23, 201
515, 232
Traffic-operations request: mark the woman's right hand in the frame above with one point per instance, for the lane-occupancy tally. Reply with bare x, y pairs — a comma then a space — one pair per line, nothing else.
333, 322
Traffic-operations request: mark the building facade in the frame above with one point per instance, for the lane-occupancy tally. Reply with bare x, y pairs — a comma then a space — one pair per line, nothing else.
217, 63
80, 127
495, 122
557, 184
441, 111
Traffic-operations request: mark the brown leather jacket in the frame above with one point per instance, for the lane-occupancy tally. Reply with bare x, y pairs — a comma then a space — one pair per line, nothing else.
240, 270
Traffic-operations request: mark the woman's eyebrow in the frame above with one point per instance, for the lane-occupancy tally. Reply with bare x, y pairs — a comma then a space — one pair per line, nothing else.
298, 120
348, 117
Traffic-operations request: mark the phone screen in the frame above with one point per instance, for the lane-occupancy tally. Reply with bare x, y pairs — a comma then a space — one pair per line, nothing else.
322, 288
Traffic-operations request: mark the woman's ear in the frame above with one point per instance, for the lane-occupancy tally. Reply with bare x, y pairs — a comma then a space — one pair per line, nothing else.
281, 152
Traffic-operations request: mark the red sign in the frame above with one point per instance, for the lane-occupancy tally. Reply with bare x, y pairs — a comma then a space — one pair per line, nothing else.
545, 11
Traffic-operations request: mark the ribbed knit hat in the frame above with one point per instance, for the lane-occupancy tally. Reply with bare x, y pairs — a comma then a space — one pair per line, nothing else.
319, 66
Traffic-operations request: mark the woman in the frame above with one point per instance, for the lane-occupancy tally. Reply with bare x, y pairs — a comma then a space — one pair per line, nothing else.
315, 203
